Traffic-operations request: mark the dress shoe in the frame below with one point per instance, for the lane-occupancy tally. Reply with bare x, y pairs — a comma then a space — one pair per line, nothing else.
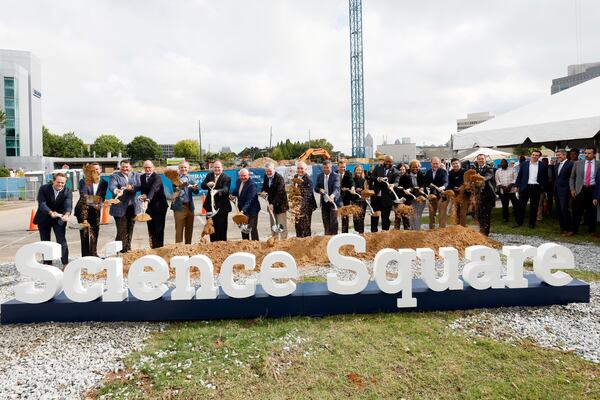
595, 235
568, 234
518, 226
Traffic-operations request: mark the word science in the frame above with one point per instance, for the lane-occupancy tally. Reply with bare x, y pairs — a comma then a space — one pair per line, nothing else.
55, 295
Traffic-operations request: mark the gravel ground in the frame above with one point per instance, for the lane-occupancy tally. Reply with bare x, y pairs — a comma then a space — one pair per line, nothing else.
63, 360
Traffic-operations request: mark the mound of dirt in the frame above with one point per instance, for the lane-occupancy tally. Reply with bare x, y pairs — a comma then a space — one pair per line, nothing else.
311, 251
260, 162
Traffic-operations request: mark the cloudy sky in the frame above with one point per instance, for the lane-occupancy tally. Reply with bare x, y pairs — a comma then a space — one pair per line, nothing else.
151, 67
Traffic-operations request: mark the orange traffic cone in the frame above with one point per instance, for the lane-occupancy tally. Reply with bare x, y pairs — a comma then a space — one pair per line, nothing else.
104, 220
32, 226
202, 210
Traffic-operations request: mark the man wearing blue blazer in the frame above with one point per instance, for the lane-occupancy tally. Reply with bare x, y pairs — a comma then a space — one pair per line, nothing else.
91, 196
562, 191
55, 203
124, 183
328, 186
247, 195
532, 178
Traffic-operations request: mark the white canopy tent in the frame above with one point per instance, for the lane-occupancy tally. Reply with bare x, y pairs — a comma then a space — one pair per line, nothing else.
490, 154
568, 118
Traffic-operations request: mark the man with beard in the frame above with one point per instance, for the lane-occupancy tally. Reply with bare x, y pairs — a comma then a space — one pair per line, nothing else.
583, 186
183, 204
487, 197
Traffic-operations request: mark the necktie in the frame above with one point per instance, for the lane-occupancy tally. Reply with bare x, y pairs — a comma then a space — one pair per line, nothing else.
241, 188
588, 173
270, 181
560, 167
325, 183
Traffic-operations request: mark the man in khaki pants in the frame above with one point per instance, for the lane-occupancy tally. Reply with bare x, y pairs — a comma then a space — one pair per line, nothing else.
183, 205
436, 180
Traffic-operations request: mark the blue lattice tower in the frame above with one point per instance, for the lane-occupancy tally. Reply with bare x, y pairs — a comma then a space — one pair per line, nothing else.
356, 79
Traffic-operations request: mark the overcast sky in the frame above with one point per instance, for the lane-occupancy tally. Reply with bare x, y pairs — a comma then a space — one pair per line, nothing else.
131, 67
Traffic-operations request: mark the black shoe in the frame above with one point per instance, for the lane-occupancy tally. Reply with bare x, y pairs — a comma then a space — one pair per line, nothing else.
518, 226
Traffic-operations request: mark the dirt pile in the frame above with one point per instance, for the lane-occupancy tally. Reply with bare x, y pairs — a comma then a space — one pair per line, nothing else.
260, 162
312, 251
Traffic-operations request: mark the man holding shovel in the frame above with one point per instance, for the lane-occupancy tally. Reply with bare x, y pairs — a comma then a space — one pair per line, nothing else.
273, 189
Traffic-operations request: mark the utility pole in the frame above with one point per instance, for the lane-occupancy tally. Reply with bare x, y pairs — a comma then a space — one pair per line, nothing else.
271, 139
309, 138
200, 144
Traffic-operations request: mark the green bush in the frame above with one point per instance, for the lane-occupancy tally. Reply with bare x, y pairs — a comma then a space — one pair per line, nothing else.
4, 172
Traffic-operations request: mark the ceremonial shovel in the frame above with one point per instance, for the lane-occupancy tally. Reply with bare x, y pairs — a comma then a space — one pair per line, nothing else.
240, 219
276, 228
397, 201
214, 212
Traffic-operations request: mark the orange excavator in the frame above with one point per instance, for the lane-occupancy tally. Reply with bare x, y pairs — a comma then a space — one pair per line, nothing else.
313, 153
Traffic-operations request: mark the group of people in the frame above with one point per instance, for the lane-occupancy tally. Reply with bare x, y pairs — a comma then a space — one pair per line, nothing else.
377, 192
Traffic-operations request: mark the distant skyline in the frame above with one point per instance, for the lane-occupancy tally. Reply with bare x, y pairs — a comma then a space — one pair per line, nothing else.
156, 67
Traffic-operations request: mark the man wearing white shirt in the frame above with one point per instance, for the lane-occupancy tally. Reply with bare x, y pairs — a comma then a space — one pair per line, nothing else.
89, 236
531, 180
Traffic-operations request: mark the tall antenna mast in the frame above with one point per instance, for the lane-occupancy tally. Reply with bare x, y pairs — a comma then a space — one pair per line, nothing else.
357, 99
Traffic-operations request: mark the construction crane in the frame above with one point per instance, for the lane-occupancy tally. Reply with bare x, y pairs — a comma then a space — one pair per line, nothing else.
357, 98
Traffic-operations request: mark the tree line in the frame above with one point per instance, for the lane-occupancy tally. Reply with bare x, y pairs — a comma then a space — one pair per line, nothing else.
145, 148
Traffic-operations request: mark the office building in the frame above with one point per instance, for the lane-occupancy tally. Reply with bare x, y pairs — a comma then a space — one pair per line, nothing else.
577, 74
472, 120
21, 100
167, 150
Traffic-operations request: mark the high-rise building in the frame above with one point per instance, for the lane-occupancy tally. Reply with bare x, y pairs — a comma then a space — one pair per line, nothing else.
576, 74
167, 150
369, 146
472, 120
21, 100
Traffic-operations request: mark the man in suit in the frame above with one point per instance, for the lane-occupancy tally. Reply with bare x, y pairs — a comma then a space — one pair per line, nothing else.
274, 189
88, 191
384, 179
247, 202
583, 186
531, 180
328, 185
303, 201
562, 191
183, 204
436, 180
55, 202
346, 183
455, 180
218, 183
487, 196
124, 182
153, 194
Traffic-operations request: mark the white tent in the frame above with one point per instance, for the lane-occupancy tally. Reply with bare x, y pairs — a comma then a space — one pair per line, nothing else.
490, 154
568, 117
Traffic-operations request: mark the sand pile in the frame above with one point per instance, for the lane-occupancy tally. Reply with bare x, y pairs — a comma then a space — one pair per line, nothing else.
260, 162
311, 251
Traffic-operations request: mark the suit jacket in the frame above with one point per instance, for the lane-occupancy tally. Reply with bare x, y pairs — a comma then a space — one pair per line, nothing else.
441, 179
488, 196
177, 204
63, 204
221, 196
578, 175
387, 198
309, 204
85, 190
153, 188
333, 187
523, 176
456, 178
276, 194
247, 198
347, 181
597, 191
118, 181
562, 180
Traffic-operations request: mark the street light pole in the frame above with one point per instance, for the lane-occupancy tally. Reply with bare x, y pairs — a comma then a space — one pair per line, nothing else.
200, 144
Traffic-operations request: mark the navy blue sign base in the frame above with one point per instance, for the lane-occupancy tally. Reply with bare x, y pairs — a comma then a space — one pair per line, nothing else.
309, 299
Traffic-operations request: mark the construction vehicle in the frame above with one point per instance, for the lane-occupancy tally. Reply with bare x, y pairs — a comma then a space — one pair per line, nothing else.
314, 153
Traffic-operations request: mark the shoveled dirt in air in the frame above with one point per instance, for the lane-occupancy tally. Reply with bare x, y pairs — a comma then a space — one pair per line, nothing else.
312, 251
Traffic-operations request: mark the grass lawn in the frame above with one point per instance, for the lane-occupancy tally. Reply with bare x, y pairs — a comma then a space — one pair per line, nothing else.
548, 229
405, 355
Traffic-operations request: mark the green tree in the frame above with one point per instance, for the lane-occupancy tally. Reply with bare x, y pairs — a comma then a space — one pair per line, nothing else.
187, 148
522, 150
143, 148
51, 143
108, 143
72, 146
2, 119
